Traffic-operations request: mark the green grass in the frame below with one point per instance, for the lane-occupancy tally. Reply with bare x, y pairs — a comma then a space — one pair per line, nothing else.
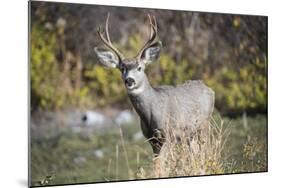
52, 157
247, 145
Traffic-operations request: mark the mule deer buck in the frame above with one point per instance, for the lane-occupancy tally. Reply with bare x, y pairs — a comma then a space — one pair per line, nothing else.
191, 103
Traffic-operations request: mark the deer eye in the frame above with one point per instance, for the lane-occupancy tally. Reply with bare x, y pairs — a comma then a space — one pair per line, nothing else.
139, 69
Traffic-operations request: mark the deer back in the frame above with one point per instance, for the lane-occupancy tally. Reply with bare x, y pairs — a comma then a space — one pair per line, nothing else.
186, 105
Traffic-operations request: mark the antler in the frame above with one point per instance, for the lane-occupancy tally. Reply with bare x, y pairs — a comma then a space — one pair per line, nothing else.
107, 40
152, 34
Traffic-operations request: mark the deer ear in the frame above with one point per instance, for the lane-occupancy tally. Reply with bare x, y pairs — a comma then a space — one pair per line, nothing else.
151, 53
106, 57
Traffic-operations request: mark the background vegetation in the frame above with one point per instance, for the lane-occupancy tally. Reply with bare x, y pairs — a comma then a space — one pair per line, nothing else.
227, 52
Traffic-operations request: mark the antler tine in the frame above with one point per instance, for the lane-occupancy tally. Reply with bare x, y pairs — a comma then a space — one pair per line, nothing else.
107, 40
152, 34
155, 23
106, 29
150, 24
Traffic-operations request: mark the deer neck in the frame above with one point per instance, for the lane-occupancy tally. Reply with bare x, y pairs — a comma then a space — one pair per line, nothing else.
142, 99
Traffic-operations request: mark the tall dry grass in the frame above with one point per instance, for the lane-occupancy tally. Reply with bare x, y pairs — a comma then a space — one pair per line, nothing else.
194, 153
186, 153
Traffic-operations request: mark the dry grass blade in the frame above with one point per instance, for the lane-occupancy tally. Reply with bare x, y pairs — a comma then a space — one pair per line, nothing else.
125, 152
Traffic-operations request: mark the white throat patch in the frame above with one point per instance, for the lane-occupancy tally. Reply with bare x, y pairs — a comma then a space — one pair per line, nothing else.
136, 91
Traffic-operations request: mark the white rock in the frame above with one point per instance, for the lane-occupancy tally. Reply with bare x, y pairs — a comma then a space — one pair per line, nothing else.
124, 117
79, 160
92, 118
98, 153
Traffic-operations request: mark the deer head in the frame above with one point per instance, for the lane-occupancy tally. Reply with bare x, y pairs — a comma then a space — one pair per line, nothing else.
132, 69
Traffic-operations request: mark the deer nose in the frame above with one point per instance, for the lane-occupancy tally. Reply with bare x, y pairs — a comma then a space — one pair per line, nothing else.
129, 82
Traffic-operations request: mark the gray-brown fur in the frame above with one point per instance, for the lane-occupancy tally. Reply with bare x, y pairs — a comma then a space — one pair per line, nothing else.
184, 107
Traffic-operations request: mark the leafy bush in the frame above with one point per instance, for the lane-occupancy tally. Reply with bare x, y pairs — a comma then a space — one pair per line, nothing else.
241, 89
54, 80
60, 78
44, 68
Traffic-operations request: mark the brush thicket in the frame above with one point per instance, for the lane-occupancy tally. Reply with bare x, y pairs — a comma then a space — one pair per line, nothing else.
193, 152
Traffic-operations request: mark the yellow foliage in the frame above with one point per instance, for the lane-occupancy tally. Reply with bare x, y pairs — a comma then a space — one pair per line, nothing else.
236, 88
